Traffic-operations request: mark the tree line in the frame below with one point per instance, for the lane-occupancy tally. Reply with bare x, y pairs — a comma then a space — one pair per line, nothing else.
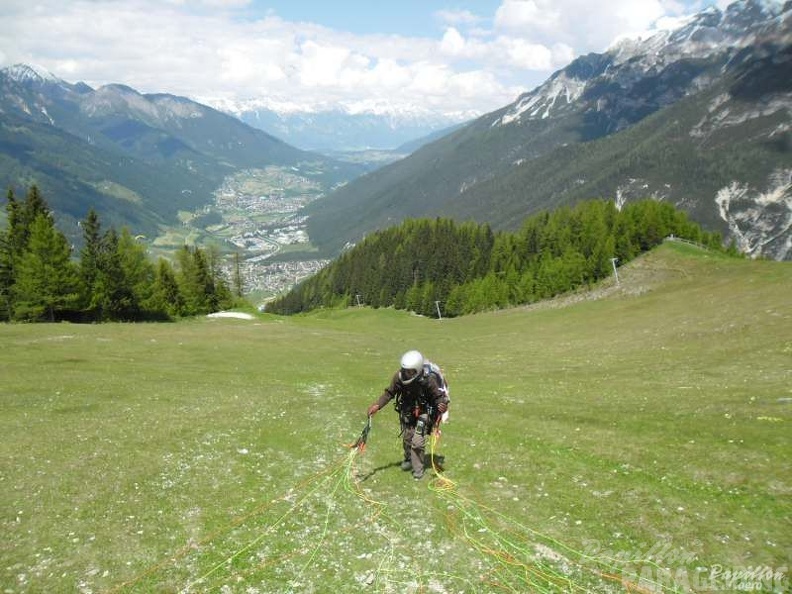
112, 280
468, 268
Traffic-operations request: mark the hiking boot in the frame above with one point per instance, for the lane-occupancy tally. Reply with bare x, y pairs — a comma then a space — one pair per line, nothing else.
406, 465
418, 474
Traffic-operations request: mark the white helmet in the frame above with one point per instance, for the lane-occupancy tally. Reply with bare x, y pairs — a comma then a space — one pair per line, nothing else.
412, 363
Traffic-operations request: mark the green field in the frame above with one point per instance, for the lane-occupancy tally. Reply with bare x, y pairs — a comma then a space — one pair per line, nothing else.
635, 439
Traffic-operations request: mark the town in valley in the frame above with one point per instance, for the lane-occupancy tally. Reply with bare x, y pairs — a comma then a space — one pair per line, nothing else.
256, 226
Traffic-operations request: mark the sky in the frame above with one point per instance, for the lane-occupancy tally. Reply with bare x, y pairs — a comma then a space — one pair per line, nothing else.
454, 56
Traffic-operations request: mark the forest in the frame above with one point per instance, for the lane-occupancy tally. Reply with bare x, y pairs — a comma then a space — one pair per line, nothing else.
438, 267
433, 267
113, 279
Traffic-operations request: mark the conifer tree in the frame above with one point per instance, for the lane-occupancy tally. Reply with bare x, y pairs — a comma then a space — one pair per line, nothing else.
202, 289
47, 282
165, 295
112, 297
15, 239
191, 284
471, 269
6, 277
6, 259
21, 224
89, 255
137, 269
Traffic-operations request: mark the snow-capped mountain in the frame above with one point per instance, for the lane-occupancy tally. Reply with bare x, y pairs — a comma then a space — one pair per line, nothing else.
30, 73
345, 127
680, 57
698, 115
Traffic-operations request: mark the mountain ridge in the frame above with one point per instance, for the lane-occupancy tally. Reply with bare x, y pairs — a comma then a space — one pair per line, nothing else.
168, 152
699, 116
346, 128
541, 151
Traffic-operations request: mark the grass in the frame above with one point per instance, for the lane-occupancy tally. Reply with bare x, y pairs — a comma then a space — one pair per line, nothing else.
650, 425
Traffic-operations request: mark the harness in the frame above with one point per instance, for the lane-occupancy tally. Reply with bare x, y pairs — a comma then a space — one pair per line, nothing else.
414, 401
411, 405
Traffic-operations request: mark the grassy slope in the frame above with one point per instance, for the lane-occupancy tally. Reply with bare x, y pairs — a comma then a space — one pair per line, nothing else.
139, 457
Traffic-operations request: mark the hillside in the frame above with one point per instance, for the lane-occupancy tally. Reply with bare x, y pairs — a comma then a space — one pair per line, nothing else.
137, 158
699, 116
638, 437
435, 267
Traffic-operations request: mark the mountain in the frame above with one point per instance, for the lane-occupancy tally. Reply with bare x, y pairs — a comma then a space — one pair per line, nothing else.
138, 159
413, 145
351, 128
373, 159
699, 116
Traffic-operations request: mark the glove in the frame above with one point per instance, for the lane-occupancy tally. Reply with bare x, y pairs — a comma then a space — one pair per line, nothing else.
442, 407
372, 409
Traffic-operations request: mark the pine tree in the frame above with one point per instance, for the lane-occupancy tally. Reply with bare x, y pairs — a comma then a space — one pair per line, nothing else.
113, 297
6, 277
89, 256
20, 220
165, 295
471, 269
7, 259
138, 271
14, 241
200, 284
47, 282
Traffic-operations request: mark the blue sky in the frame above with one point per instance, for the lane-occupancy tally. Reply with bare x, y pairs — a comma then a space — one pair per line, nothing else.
395, 17
453, 57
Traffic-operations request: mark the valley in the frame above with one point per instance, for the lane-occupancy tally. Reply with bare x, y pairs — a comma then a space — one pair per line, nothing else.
255, 214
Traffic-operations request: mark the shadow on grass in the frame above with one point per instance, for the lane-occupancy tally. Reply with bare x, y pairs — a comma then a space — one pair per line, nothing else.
364, 477
430, 462
435, 461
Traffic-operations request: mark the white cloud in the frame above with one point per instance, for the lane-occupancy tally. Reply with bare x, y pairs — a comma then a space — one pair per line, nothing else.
519, 15
320, 65
452, 44
240, 67
523, 54
637, 15
204, 48
457, 17
389, 74
585, 25
562, 54
430, 79
674, 7
471, 84
225, 3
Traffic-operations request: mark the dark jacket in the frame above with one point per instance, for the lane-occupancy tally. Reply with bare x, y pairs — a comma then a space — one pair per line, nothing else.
420, 396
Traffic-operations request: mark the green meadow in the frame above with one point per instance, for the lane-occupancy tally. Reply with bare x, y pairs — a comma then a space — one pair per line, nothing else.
633, 438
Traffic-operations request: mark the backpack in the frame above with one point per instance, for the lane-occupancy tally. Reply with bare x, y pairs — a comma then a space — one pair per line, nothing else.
434, 369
